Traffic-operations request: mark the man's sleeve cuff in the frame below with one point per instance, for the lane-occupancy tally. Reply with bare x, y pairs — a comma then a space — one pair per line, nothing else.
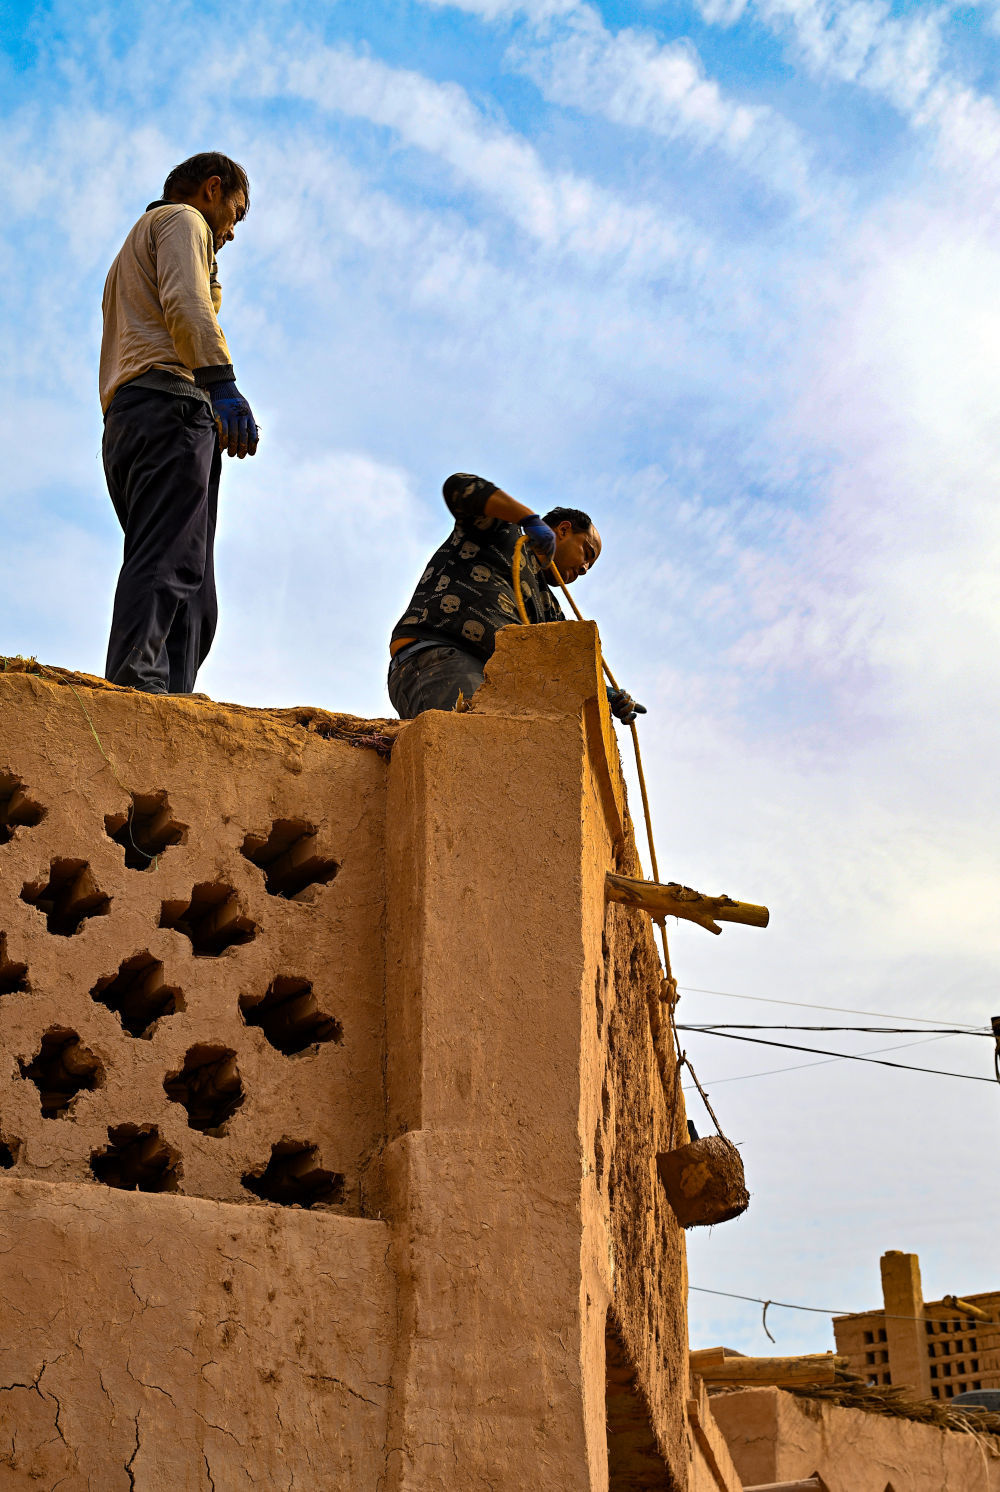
220, 373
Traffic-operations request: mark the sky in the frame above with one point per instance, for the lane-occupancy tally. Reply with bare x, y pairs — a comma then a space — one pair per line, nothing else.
722, 273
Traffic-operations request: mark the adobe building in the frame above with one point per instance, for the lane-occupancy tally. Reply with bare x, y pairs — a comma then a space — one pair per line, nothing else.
936, 1348
332, 1088
331, 1093
801, 1442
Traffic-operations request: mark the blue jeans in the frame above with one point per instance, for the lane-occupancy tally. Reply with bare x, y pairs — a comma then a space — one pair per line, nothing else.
432, 679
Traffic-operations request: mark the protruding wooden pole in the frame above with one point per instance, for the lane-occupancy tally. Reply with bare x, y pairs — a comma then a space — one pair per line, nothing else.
673, 900
777, 1371
811, 1484
966, 1308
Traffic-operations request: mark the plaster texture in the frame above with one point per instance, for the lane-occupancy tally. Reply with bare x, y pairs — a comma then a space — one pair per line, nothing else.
168, 1343
779, 1437
520, 1049
712, 1468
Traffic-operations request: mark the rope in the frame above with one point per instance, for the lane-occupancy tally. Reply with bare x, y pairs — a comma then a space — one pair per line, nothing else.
763, 1321
516, 572
522, 612
704, 1096
674, 1096
660, 921
682, 1059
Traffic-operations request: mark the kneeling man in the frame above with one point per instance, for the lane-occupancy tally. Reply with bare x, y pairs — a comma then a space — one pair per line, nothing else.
442, 642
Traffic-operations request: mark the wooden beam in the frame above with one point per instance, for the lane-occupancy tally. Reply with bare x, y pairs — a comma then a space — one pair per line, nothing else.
710, 1357
966, 1308
674, 900
811, 1484
778, 1372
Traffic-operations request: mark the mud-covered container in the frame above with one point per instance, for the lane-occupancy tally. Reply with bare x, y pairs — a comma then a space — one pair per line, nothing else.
704, 1181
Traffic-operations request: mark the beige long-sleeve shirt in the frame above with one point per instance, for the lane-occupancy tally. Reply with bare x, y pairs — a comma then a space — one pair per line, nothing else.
160, 305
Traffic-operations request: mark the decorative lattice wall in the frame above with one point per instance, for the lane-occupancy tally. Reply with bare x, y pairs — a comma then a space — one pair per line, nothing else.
190, 951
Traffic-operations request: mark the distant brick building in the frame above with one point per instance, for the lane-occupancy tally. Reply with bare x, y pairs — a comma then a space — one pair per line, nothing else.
930, 1346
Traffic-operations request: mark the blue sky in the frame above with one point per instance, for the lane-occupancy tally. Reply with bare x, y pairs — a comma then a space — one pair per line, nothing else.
723, 273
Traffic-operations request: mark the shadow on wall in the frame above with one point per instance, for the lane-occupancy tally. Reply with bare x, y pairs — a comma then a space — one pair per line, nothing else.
635, 1463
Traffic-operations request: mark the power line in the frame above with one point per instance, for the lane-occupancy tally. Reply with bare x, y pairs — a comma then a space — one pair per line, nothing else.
771, 1072
726, 994
865, 1030
828, 1311
849, 1057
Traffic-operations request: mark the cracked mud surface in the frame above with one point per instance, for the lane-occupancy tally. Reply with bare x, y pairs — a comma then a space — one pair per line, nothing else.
171, 1344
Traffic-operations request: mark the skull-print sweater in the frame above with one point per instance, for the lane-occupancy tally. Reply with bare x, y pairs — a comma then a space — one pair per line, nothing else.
466, 593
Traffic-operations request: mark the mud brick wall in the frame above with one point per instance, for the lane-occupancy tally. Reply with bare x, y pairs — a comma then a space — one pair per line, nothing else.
190, 948
647, 1322
245, 962
171, 1344
775, 1436
634, 1318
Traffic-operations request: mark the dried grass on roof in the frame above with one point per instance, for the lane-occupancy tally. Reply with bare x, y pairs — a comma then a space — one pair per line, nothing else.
849, 1392
373, 735
378, 734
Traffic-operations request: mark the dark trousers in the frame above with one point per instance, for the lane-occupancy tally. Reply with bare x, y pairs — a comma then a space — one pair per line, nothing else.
431, 679
162, 463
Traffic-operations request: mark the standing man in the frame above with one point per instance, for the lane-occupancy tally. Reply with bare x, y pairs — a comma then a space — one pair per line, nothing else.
443, 641
171, 406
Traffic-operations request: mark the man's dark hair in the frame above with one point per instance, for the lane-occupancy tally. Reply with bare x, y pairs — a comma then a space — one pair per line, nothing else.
579, 520
189, 175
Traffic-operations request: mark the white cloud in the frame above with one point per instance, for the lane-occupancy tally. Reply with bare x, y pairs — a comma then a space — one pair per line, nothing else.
308, 586
629, 77
862, 42
474, 344
723, 12
561, 210
58, 590
837, 762
494, 10
966, 129
632, 79
902, 58
86, 179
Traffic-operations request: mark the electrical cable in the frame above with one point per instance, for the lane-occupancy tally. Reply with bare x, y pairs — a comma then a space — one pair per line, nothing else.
967, 1322
864, 1030
849, 1057
923, 1020
770, 1072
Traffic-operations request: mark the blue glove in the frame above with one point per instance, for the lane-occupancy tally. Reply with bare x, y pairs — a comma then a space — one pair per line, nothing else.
623, 706
234, 417
540, 536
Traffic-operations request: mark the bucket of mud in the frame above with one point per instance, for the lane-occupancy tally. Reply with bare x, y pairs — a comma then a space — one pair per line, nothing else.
704, 1181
